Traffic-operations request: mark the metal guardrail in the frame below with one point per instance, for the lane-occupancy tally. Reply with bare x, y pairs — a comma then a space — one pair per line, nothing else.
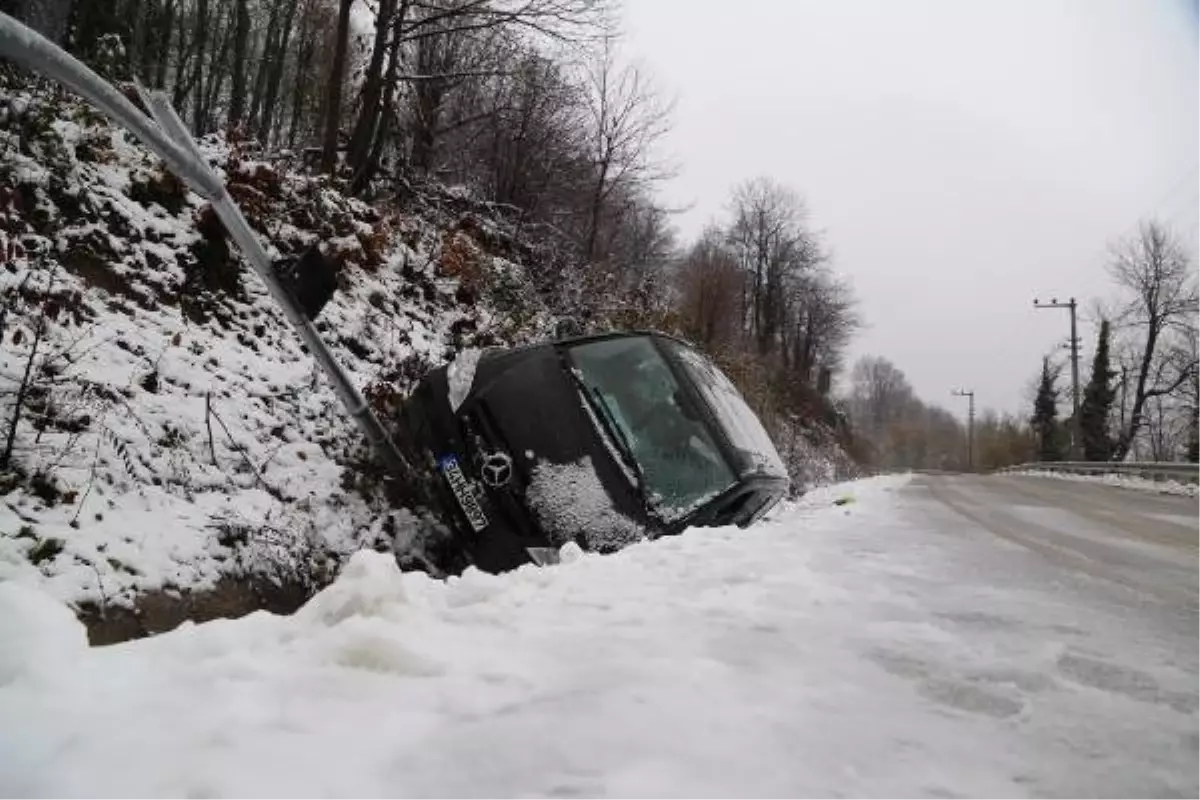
1181, 472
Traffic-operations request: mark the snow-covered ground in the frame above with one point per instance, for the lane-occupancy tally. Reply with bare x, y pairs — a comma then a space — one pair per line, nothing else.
1116, 479
860, 642
182, 429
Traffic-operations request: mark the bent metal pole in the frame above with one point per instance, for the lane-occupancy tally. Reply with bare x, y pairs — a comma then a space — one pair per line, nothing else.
167, 136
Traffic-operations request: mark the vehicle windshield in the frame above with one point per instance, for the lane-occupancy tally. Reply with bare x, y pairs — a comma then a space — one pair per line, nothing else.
632, 390
741, 424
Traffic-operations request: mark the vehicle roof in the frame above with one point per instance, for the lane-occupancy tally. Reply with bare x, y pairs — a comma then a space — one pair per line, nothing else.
591, 337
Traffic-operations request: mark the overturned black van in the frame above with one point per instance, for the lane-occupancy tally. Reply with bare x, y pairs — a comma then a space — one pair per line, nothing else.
601, 440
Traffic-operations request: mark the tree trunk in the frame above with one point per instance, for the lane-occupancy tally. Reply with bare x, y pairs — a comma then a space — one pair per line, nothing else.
596, 209
198, 70
48, 17
164, 44
1139, 393
218, 71
275, 75
241, 35
134, 36
333, 98
428, 98
270, 55
181, 75
1193, 442
383, 130
304, 52
362, 139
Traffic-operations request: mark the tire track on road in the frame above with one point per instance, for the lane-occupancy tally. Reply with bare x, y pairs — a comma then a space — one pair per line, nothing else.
1004, 525
1149, 529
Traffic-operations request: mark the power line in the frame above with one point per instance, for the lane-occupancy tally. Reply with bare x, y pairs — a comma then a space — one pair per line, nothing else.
1182, 181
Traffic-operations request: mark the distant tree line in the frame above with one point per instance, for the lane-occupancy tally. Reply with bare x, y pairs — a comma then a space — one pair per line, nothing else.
900, 431
1140, 400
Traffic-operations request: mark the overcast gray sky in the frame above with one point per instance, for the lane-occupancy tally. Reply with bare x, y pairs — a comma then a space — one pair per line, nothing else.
960, 157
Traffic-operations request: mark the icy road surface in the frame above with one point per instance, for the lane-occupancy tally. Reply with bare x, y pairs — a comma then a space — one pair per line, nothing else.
947, 636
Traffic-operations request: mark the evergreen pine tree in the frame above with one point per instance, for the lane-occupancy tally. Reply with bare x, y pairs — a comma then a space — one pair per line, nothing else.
1045, 416
1098, 398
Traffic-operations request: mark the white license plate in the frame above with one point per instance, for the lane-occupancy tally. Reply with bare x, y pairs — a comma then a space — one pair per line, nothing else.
463, 492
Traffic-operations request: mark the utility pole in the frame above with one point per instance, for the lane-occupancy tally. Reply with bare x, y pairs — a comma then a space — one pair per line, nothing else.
1076, 436
970, 395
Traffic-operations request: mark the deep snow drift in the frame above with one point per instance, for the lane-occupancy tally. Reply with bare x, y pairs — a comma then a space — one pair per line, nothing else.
832, 650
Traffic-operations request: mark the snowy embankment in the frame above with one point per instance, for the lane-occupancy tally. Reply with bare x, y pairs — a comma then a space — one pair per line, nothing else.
833, 649
1134, 482
174, 432
173, 439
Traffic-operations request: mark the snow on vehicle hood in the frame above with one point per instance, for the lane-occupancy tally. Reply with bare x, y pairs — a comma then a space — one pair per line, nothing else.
569, 499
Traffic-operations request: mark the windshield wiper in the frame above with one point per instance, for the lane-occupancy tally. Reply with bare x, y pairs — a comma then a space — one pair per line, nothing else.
616, 431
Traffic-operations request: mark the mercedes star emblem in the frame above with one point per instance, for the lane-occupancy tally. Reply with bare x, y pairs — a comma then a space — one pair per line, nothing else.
497, 470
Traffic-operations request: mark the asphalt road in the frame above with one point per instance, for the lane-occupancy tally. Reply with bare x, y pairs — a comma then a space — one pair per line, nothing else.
1067, 611
1144, 542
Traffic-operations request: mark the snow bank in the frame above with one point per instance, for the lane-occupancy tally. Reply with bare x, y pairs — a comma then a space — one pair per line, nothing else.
1134, 482
40, 635
848, 646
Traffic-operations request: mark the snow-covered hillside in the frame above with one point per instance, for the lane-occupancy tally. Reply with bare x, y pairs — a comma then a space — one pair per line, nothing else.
174, 430
173, 436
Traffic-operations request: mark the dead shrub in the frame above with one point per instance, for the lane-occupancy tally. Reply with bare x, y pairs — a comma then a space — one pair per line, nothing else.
375, 245
462, 259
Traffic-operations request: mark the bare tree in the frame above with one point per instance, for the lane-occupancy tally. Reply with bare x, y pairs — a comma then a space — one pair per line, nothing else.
333, 95
880, 394
1194, 422
388, 18
48, 17
197, 80
710, 285
627, 119
440, 56
773, 247
1166, 428
821, 318
275, 58
533, 137
1160, 311
241, 37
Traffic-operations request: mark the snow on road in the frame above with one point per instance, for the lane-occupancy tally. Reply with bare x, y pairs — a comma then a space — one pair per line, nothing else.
877, 647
